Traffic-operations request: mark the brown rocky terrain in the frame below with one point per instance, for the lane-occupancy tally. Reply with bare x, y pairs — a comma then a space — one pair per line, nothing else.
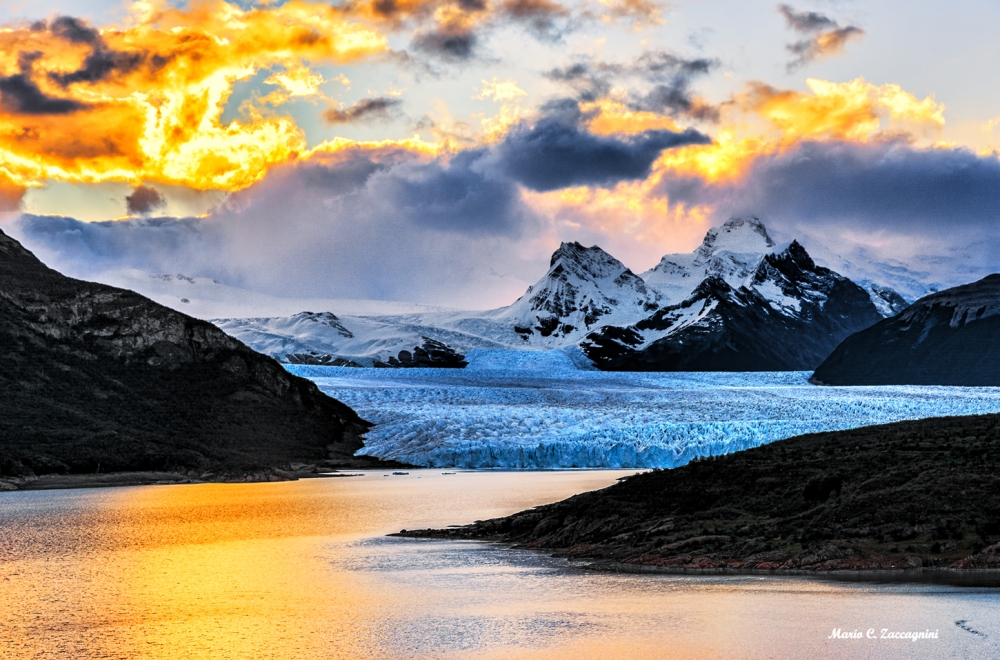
98, 379
909, 495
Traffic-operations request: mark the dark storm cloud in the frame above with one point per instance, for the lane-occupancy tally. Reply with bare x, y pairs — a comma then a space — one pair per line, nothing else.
102, 62
143, 200
545, 19
554, 154
73, 30
99, 65
373, 109
20, 95
826, 37
884, 185
447, 44
460, 196
670, 75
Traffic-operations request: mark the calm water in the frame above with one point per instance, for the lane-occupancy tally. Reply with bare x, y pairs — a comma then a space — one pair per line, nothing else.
303, 570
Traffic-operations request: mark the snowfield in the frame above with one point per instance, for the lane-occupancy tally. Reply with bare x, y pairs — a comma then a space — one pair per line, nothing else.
535, 409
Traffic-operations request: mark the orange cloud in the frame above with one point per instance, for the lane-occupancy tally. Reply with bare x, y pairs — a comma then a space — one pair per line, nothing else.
763, 121
145, 102
766, 120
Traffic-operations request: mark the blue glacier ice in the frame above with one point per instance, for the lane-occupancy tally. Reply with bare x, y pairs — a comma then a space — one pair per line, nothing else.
546, 409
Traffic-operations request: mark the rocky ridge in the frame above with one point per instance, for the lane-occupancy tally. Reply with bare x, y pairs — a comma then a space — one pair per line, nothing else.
99, 379
947, 338
787, 314
911, 495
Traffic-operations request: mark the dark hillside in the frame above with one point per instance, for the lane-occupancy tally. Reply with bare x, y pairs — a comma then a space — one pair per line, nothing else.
903, 495
99, 379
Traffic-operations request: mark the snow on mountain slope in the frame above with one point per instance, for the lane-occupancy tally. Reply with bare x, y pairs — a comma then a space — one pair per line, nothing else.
735, 250
732, 252
322, 338
789, 314
892, 285
584, 288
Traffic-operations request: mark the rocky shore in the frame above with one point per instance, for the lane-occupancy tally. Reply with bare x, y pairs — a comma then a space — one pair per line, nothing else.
918, 496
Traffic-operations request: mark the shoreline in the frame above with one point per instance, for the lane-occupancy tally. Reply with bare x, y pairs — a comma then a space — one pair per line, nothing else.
953, 577
982, 578
122, 479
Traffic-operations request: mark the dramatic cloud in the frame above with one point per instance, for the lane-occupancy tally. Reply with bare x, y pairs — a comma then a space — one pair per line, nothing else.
20, 96
540, 16
667, 78
554, 154
382, 225
143, 200
806, 21
447, 42
145, 103
372, 109
825, 36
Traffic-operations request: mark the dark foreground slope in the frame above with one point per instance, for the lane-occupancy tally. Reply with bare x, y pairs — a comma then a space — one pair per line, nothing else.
904, 495
99, 379
948, 338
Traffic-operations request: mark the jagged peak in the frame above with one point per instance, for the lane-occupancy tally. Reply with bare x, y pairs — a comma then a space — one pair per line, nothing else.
738, 234
796, 253
711, 286
574, 251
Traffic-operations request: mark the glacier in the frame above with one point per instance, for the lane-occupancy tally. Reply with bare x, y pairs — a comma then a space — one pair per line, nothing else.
549, 409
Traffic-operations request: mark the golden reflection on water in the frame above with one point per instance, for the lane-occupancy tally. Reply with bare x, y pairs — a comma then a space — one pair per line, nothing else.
302, 570
227, 570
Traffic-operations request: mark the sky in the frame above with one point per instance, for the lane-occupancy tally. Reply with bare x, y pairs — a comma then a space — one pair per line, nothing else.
438, 151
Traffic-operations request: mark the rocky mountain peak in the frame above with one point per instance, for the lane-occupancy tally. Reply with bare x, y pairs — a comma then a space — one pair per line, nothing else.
582, 288
593, 260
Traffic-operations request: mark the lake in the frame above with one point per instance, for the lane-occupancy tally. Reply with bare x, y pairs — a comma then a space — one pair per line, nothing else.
304, 570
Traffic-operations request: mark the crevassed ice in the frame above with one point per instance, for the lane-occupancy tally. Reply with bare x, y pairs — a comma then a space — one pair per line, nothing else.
535, 409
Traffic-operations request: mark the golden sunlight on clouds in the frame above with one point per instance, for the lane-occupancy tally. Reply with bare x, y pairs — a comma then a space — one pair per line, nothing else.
761, 122
638, 223
611, 117
145, 102
766, 120
508, 95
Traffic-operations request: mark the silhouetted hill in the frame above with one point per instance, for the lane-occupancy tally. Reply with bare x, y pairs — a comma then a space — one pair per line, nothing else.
904, 495
947, 338
96, 378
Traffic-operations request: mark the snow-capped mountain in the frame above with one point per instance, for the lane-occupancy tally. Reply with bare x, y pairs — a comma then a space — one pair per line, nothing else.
787, 314
738, 280
735, 250
584, 288
731, 252
947, 338
324, 338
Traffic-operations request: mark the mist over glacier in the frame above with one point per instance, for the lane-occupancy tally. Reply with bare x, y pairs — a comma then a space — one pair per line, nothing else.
535, 409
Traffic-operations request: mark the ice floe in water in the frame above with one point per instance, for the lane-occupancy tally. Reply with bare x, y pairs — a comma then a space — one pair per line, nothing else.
534, 409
